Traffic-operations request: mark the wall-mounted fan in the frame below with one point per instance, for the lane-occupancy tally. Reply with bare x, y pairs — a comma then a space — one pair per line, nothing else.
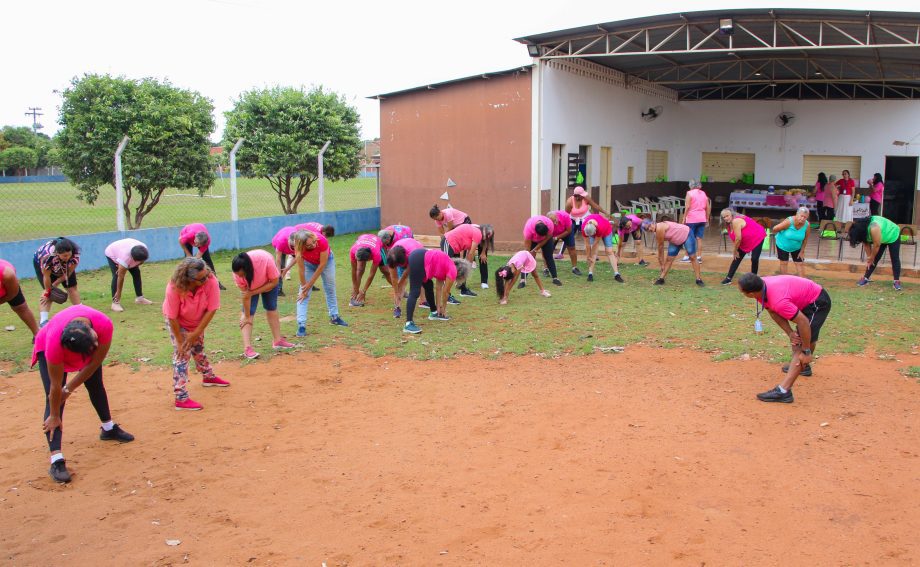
784, 119
652, 113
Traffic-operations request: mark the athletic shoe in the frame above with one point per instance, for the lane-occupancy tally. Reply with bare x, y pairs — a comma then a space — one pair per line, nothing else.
556, 281
557, 256
590, 277
250, 353
452, 300
355, 303
315, 288
116, 307
522, 284
337, 321
699, 259
467, 292
545, 271
727, 281
59, 472
897, 285
775, 395
411, 327
188, 405
485, 286
221, 286
214, 382
143, 301
659, 281
397, 312
685, 260
281, 293
42, 324
700, 283
643, 263
618, 277
301, 331
435, 316
424, 304
282, 345
576, 271
863, 281
115, 434
805, 371
545, 293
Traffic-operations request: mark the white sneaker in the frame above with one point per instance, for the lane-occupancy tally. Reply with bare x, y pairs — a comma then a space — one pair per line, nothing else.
117, 307
143, 301
699, 259
685, 259
485, 286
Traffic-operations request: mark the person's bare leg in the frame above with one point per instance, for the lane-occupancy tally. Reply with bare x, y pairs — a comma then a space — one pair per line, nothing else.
784, 267
669, 261
246, 331
274, 323
697, 271
699, 249
800, 269
612, 258
25, 314
573, 256
74, 295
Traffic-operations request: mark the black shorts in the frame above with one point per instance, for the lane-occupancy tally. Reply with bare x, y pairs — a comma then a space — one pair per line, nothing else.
17, 299
68, 283
636, 235
783, 256
817, 313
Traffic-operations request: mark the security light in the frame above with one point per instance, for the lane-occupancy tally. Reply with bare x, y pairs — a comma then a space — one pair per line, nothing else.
533, 50
726, 26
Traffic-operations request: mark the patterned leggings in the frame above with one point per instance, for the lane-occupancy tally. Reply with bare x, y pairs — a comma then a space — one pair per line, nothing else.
180, 363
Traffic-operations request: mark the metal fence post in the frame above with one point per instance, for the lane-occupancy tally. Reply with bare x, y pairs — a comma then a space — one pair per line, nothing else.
119, 188
234, 202
322, 184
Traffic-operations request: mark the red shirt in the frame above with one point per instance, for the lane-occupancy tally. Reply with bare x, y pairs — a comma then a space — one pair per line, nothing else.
846, 186
312, 256
787, 295
189, 307
48, 339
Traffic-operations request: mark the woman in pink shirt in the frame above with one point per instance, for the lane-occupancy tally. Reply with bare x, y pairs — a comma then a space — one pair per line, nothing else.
257, 275
564, 230
196, 236
697, 210
192, 299
284, 255
597, 229
677, 236
126, 256
436, 272
76, 340
393, 234
326, 230
314, 260
466, 241
580, 205
522, 262
630, 226
11, 293
877, 196
448, 219
398, 262
367, 248
820, 184
538, 235
748, 236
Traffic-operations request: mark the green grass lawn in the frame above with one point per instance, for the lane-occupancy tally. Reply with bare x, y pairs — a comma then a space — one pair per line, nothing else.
576, 319
32, 210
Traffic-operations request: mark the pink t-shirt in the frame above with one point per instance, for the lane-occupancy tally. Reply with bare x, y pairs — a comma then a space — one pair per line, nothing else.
438, 265
604, 228
281, 240
189, 307
453, 215
675, 233
368, 241
48, 339
399, 231
878, 192
3, 266
523, 261
696, 211
751, 235
562, 224
263, 270
787, 295
636, 225
819, 192
463, 237
313, 256
579, 211
120, 252
314, 227
187, 235
530, 226
409, 245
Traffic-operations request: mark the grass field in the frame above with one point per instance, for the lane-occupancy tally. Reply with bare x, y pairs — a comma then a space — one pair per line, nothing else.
30, 209
579, 318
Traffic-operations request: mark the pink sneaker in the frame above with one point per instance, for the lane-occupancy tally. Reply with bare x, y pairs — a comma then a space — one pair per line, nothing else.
214, 381
250, 353
188, 404
282, 344
557, 256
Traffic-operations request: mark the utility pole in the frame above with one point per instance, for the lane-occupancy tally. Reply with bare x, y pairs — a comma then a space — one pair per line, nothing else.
34, 113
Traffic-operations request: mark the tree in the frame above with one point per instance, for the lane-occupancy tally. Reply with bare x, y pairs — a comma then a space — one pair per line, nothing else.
17, 158
285, 128
168, 127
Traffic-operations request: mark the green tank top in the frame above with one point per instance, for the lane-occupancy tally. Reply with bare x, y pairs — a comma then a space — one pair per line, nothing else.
791, 239
890, 231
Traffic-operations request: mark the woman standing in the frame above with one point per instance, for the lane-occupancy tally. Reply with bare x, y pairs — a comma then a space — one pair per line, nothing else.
748, 237
192, 299
11, 293
846, 186
538, 235
820, 184
257, 275
124, 256
367, 248
697, 210
77, 340
313, 258
830, 198
597, 229
877, 234
791, 236
878, 194
196, 235
398, 259
522, 262
283, 251
630, 227
425, 266
580, 205
465, 241
55, 264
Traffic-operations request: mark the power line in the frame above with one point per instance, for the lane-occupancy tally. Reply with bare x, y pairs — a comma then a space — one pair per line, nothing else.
34, 113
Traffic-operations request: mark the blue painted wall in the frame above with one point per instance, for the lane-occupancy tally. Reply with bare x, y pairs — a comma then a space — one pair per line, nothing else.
163, 243
33, 179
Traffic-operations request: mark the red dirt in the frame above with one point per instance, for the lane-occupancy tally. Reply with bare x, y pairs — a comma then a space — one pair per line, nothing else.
646, 457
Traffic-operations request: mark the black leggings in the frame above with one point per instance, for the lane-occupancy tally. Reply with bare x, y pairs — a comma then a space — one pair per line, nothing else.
894, 251
416, 276
97, 396
829, 213
874, 207
483, 266
755, 260
206, 256
135, 277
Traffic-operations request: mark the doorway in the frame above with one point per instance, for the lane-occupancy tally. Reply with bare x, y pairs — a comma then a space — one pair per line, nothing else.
558, 180
900, 188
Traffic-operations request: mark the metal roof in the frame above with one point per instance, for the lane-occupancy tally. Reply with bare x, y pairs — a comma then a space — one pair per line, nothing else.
756, 54
434, 86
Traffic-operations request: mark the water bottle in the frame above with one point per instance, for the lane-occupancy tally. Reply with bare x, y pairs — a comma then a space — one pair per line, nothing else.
758, 327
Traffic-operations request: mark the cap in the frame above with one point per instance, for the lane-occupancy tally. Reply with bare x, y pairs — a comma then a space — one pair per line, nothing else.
580, 191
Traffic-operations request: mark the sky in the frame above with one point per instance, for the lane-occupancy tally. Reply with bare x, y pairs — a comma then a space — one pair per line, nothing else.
357, 48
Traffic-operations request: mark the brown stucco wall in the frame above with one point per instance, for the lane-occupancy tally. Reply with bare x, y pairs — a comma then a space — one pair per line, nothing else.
475, 132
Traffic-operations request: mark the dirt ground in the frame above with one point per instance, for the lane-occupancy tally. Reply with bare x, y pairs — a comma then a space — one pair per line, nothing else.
645, 457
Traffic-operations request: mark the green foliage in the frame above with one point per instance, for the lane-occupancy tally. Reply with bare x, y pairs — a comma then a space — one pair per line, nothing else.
285, 129
20, 136
18, 158
168, 129
23, 137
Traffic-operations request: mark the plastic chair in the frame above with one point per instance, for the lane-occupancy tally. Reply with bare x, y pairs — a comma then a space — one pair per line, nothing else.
767, 224
829, 230
622, 209
844, 239
910, 231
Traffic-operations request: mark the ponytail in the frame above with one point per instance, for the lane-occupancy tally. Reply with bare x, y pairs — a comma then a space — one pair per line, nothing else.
243, 263
503, 275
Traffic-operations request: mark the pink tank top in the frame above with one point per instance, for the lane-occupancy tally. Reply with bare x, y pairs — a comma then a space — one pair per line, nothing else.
579, 212
697, 205
676, 233
751, 235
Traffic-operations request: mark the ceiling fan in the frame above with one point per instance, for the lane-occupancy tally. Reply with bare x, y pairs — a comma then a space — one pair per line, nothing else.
652, 113
784, 119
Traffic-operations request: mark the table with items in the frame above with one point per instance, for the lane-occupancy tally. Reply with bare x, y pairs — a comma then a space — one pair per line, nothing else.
744, 200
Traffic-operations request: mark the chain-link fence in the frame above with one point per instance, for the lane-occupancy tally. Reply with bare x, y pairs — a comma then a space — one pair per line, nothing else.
34, 210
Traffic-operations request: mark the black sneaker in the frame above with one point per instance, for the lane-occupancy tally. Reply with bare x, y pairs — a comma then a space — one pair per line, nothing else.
618, 278
590, 277
545, 271
727, 281
315, 288
700, 283
424, 304
805, 371
467, 292
281, 293
221, 286
643, 263
115, 434
576, 271
452, 300
659, 281
522, 284
556, 281
59, 472
775, 395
